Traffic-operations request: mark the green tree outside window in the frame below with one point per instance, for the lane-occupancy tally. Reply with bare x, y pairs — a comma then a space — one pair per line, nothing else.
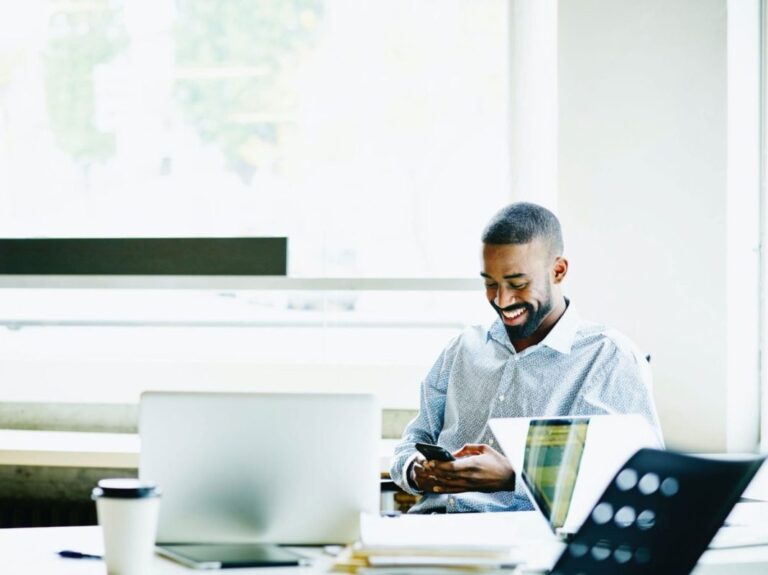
81, 39
230, 55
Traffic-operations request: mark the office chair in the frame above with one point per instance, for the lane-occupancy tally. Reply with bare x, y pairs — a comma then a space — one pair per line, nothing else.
657, 515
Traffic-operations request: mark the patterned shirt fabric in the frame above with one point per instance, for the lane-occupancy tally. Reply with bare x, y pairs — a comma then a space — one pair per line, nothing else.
579, 368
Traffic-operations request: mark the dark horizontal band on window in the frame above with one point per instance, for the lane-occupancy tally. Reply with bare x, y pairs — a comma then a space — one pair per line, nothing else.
144, 256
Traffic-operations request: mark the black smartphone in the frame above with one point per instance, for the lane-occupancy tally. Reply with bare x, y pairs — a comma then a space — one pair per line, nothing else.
435, 452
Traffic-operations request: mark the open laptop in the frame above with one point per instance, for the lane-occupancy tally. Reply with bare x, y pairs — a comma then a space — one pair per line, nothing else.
260, 468
565, 463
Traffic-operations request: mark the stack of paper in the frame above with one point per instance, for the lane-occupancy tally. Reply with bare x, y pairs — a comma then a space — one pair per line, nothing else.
745, 526
360, 558
438, 544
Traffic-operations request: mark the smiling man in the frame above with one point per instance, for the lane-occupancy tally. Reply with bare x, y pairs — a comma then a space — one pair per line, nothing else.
537, 359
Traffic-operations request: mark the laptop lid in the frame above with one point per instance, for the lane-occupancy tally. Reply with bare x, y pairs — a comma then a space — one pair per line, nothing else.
266, 468
565, 463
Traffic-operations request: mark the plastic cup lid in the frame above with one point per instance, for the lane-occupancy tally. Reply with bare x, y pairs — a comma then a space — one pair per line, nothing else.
125, 488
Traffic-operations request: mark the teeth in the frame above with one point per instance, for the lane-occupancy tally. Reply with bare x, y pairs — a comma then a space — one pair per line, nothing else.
514, 314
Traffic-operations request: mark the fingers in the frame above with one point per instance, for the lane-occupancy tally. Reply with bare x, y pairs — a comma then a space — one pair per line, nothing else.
466, 466
474, 447
466, 450
461, 486
478, 467
470, 449
439, 465
431, 479
427, 479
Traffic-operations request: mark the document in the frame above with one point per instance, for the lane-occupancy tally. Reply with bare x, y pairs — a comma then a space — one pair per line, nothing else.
455, 530
480, 542
758, 487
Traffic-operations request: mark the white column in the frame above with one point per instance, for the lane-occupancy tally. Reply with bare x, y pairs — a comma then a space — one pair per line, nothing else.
533, 107
743, 225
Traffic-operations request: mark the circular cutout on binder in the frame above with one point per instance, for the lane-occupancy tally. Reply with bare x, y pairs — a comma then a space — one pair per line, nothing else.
627, 479
622, 554
646, 519
649, 484
642, 556
578, 549
602, 513
601, 551
670, 487
625, 516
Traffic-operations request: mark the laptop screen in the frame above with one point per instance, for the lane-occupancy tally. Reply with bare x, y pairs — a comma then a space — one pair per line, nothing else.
553, 453
565, 462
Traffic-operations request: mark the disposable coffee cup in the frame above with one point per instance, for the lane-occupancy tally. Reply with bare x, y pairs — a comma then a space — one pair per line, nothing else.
127, 510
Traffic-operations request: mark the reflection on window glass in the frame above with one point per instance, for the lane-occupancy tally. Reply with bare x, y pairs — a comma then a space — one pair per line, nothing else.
372, 134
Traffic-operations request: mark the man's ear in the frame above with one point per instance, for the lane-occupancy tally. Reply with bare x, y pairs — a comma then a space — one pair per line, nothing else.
559, 269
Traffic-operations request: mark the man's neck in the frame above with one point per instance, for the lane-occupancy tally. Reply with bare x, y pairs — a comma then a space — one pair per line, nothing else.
546, 326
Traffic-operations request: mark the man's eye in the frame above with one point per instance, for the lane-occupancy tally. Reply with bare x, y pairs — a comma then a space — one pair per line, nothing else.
491, 286
518, 287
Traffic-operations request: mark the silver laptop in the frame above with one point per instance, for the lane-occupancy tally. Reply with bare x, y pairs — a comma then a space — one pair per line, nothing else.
264, 468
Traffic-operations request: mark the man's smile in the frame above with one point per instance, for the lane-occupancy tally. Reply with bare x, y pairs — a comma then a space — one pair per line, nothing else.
515, 316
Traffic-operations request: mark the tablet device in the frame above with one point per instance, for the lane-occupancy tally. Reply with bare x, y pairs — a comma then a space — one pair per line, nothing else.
221, 556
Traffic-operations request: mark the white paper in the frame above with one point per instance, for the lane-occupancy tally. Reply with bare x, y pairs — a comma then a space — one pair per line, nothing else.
454, 530
749, 513
758, 487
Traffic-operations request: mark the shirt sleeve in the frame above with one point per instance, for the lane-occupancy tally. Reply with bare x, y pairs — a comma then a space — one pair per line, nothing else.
428, 423
623, 384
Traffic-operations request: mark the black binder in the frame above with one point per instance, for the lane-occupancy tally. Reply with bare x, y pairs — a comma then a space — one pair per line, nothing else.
657, 516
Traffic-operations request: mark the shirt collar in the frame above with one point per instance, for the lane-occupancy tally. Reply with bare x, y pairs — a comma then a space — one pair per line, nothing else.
560, 337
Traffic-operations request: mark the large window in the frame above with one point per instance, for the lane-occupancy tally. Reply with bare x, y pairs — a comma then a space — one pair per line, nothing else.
374, 135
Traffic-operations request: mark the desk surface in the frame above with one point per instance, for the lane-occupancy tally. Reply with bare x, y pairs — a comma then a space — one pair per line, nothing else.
28, 551
34, 551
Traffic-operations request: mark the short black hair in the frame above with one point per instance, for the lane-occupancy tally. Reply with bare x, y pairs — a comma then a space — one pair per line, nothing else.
523, 222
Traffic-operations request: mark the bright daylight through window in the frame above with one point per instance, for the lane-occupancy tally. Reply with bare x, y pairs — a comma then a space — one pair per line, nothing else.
237, 118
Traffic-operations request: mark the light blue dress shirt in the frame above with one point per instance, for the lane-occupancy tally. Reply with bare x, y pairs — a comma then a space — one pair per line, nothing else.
579, 368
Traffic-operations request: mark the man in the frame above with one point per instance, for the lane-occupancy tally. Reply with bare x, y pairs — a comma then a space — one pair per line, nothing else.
537, 359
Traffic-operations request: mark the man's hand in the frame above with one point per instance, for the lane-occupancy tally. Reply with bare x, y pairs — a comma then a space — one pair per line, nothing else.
421, 476
477, 468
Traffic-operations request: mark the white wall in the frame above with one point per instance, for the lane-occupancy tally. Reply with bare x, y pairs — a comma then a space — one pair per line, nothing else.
643, 192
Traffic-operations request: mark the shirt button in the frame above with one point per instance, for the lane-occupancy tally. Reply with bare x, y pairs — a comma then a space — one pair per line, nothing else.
501, 398
490, 441
517, 357
451, 501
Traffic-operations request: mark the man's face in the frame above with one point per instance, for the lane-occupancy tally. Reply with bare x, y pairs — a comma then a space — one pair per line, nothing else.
518, 284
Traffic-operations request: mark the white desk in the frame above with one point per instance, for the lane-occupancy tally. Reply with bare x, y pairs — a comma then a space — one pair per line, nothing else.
34, 551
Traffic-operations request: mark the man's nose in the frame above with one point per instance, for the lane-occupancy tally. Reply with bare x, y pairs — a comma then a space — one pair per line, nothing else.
504, 297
